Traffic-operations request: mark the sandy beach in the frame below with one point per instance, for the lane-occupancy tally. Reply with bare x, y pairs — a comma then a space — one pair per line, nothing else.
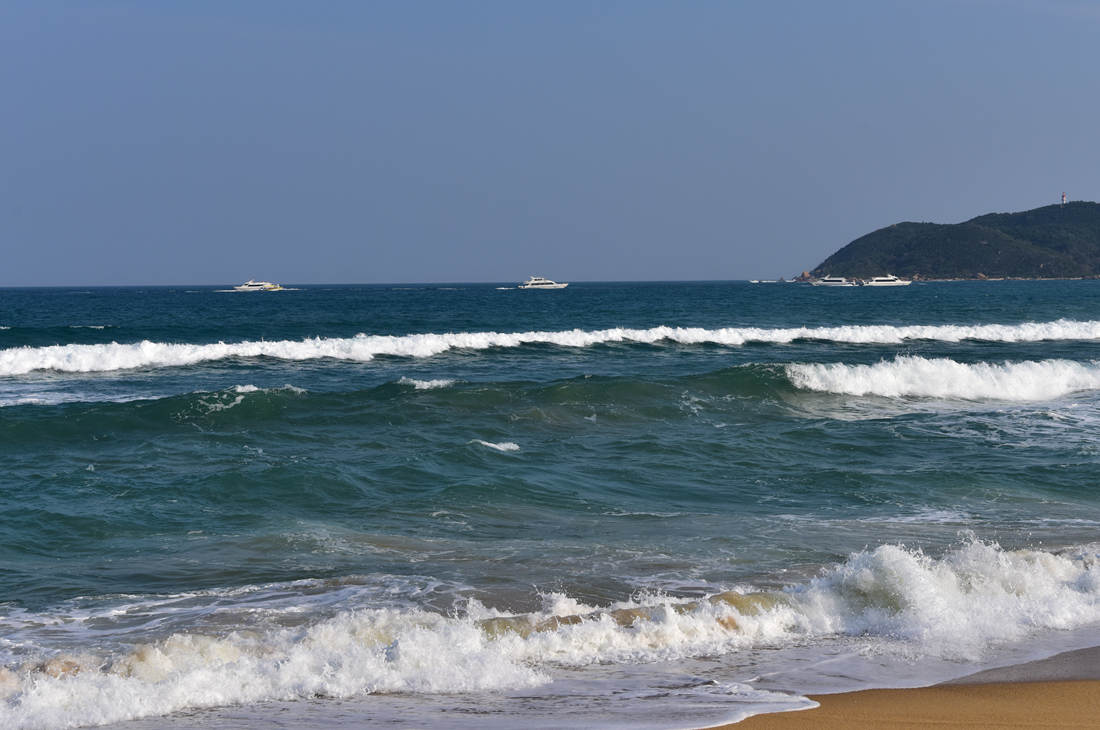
1060, 692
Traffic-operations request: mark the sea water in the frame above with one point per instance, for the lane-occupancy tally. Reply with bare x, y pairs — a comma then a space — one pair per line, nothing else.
653, 505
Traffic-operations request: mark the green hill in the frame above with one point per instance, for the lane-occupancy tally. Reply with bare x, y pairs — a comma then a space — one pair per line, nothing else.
1058, 241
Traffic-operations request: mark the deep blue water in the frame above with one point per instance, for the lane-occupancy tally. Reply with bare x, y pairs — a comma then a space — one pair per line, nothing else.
423, 498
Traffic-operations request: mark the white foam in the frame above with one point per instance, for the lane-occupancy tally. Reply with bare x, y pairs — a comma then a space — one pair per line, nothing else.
218, 402
226, 399
908, 376
908, 605
504, 446
957, 607
427, 384
352, 654
362, 348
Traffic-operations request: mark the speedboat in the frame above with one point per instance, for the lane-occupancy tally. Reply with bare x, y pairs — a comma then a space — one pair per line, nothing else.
253, 285
833, 281
537, 282
888, 280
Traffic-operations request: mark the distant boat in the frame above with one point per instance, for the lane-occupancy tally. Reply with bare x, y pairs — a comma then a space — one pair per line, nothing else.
253, 285
833, 281
888, 280
537, 282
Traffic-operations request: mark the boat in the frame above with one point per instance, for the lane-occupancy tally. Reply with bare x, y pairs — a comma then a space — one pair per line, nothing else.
833, 281
537, 282
253, 285
888, 280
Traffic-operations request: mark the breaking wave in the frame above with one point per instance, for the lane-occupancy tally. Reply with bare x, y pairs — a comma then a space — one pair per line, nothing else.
427, 384
909, 376
955, 607
362, 348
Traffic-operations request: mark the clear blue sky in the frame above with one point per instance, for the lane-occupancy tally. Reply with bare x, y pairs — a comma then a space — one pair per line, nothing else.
462, 141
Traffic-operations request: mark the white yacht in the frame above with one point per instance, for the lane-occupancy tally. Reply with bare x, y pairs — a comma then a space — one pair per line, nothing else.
253, 285
833, 281
537, 282
888, 280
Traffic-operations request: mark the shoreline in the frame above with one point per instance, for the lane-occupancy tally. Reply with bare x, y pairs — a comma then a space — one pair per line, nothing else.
1062, 691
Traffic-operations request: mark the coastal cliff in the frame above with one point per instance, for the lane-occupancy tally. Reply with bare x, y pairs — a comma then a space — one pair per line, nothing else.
1053, 242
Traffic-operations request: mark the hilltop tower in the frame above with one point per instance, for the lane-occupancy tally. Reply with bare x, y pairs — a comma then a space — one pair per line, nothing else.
1063, 198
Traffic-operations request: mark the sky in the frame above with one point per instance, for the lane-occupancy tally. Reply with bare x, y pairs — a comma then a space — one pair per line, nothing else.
175, 143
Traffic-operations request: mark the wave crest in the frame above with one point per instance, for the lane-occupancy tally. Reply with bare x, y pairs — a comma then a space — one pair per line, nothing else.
911, 376
427, 384
361, 348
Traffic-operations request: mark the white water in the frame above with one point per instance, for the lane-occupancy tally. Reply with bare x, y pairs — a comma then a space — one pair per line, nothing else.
362, 348
503, 446
881, 608
428, 384
908, 376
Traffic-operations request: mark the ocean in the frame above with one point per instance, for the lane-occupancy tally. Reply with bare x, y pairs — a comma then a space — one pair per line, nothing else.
643, 505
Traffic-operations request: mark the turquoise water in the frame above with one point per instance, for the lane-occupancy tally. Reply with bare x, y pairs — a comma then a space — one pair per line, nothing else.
475, 504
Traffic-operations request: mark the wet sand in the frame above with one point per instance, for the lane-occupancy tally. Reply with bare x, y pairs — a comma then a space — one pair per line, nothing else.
1060, 692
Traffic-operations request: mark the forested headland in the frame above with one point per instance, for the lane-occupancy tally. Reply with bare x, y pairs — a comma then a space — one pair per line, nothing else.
1053, 242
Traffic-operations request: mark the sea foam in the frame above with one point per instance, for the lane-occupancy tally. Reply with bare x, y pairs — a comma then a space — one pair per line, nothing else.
909, 376
503, 446
907, 604
427, 384
362, 348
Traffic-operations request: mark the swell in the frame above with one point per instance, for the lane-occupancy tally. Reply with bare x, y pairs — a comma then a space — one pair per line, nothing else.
405, 400
85, 358
634, 398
